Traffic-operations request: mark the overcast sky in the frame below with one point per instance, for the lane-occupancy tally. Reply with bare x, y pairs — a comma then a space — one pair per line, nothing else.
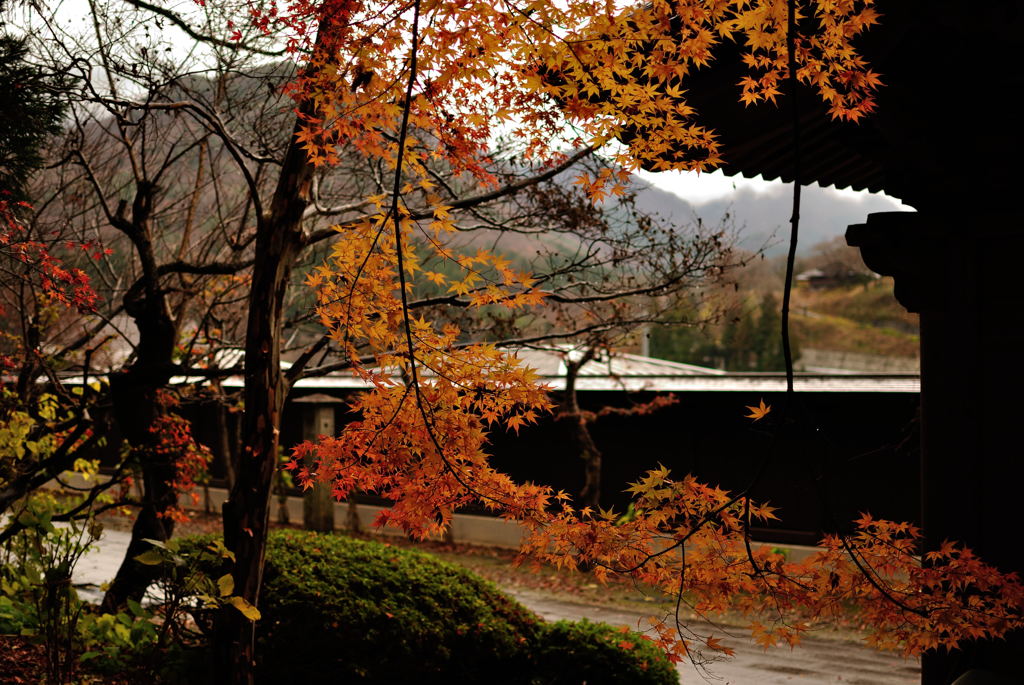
760, 209
697, 188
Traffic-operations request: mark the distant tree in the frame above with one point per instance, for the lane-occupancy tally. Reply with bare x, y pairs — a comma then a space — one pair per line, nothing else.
835, 255
748, 340
578, 421
766, 345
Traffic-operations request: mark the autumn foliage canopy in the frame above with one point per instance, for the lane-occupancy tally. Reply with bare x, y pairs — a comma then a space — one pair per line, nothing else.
422, 83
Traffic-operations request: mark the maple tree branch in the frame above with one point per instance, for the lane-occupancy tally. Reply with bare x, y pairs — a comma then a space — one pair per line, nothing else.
465, 203
513, 188
315, 209
211, 269
299, 365
400, 259
859, 563
201, 37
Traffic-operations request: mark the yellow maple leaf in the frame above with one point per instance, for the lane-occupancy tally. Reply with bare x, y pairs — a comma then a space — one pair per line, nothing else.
759, 412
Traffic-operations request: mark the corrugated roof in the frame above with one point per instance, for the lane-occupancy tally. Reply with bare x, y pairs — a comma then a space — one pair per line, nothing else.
758, 140
636, 373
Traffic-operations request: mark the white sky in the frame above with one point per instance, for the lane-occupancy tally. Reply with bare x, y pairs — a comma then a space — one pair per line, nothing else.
698, 188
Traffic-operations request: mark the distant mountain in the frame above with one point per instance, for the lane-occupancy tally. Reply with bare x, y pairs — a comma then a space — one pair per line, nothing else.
762, 218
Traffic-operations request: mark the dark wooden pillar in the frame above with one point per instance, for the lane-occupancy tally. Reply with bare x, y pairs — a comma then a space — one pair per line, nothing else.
961, 273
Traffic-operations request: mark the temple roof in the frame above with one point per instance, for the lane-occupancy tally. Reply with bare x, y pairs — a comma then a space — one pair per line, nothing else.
943, 121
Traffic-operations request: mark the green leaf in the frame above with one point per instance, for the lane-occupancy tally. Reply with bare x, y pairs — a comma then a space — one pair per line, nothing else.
150, 558
136, 608
247, 609
27, 519
226, 584
218, 547
155, 543
207, 601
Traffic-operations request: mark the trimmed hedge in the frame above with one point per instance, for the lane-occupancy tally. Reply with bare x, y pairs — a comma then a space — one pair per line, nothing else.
341, 610
577, 652
355, 611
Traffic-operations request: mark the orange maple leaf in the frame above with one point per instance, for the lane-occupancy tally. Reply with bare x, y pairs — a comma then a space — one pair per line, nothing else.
713, 643
759, 412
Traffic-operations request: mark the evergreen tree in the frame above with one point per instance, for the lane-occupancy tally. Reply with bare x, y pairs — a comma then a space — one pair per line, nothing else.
767, 336
29, 113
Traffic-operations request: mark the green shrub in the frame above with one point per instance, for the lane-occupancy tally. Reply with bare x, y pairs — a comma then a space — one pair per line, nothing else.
113, 643
585, 652
340, 610
356, 611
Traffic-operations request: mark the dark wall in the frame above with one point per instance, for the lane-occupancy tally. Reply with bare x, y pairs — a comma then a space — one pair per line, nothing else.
841, 454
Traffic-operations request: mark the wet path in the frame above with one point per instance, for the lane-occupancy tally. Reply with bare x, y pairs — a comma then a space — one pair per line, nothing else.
815, 661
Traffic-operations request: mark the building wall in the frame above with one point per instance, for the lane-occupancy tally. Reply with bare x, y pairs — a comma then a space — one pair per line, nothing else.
842, 454
853, 452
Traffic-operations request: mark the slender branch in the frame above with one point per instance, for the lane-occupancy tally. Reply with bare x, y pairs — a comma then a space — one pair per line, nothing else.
787, 349
215, 125
201, 37
472, 201
296, 369
214, 268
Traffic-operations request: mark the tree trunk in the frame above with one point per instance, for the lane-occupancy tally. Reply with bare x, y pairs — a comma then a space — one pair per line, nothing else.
247, 511
590, 495
227, 438
579, 433
134, 393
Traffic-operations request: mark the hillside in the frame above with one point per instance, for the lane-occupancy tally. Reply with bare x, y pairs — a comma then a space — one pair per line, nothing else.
856, 325
860, 321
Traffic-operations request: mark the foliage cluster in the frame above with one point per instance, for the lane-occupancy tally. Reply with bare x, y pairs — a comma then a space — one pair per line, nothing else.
42, 443
30, 112
363, 610
876, 571
174, 443
37, 600
36, 596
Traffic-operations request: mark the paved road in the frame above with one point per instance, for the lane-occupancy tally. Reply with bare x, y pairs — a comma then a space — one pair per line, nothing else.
815, 662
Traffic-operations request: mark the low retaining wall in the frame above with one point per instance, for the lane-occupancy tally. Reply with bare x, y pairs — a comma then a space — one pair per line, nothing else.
467, 529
